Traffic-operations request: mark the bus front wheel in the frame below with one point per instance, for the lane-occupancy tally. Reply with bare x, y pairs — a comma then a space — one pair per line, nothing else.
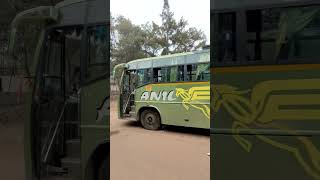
104, 170
150, 119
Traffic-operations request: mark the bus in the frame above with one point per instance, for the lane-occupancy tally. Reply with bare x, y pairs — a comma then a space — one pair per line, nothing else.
67, 122
265, 86
167, 90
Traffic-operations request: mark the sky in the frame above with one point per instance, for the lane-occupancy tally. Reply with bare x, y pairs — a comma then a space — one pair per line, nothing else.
196, 12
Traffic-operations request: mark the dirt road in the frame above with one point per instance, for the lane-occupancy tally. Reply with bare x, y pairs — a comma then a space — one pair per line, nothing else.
11, 143
170, 154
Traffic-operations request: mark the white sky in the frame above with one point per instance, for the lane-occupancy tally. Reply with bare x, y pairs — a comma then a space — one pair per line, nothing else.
196, 12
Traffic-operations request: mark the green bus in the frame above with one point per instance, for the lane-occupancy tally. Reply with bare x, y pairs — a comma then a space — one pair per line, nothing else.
167, 90
265, 121
67, 125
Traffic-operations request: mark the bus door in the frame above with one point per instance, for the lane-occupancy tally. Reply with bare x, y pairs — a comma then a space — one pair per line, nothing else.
56, 134
129, 83
48, 105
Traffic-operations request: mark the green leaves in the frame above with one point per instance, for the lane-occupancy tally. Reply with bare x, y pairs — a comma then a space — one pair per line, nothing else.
130, 41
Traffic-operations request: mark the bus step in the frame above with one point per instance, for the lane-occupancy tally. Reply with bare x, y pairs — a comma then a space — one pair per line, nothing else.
129, 117
56, 170
132, 114
73, 166
73, 148
133, 108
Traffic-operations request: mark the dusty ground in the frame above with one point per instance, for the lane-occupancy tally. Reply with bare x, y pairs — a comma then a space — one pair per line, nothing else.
170, 154
11, 143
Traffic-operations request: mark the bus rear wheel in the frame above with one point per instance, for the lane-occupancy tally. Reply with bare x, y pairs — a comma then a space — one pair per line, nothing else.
150, 119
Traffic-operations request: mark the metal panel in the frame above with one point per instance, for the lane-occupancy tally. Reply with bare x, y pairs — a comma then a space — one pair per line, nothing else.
236, 4
98, 11
171, 60
83, 12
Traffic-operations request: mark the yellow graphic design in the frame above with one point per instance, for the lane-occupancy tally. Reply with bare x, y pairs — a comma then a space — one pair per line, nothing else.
148, 88
263, 110
192, 96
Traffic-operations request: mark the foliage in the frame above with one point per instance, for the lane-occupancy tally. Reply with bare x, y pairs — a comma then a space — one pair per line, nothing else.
130, 42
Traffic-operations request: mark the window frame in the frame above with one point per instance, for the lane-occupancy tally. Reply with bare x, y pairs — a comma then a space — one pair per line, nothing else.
85, 53
185, 75
241, 37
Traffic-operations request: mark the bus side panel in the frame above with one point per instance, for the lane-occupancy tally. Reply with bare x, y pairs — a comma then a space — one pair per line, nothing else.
95, 117
265, 124
265, 160
180, 104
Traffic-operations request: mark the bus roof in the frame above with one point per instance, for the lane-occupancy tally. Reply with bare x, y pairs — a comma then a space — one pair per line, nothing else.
243, 4
83, 12
65, 13
202, 56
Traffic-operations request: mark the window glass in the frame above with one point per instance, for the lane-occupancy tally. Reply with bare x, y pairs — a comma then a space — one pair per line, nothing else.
52, 77
284, 34
226, 37
192, 72
180, 74
159, 74
148, 76
172, 73
203, 72
98, 52
73, 39
140, 77
163, 74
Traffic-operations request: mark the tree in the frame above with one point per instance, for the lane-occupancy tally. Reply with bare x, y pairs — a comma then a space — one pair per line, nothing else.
130, 42
126, 41
174, 36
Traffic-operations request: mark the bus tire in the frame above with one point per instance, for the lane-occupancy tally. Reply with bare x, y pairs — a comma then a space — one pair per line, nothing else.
150, 119
103, 171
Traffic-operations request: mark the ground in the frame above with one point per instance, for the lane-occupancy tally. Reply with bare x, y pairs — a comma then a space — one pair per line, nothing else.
11, 143
170, 154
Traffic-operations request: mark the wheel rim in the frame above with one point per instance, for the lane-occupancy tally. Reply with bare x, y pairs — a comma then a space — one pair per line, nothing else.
149, 119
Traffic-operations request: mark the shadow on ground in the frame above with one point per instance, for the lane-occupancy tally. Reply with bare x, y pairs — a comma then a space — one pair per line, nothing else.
175, 129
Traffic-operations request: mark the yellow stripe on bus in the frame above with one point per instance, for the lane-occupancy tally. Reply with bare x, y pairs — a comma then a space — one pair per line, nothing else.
269, 68
179, 83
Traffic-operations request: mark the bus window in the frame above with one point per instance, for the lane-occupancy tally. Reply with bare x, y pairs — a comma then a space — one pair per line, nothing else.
172, 74
73, 38
203, 72
148, 76
192, 72
180, 75
98, 52
52, 77
140, 77
226, 40
284, 34
159, 74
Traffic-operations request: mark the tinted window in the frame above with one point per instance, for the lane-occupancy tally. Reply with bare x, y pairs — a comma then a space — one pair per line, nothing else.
226, 37
172, 74
203, 72
283, 34
180, 73
140, 77
160, 74
192, 72
98, 52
